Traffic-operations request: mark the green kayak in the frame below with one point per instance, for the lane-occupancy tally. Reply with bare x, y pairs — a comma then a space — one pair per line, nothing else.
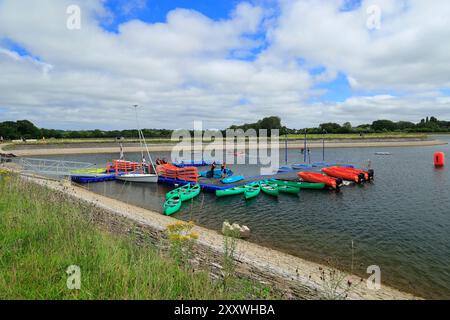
252, 190
172, 205
177, 191
191, 193
269, 188
230, 191
288, 189
299, 184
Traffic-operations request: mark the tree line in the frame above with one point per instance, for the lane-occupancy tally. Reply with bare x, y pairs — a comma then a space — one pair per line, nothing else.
24, 129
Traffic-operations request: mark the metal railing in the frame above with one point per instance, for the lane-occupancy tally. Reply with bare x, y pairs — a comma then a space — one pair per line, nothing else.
52, 167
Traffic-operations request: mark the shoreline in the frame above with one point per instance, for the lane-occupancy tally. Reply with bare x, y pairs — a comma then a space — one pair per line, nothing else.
297, 278
166, 148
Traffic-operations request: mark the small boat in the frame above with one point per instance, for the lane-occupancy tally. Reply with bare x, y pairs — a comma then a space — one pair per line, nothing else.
172, 205
232, 179
383, 153
344, 174
317, 177
300, 166
177, 191
142, 173
368, 175
269, 188
190, 193
321, 164
230, 191
289, 189
138, 177
252, 190
300, 184
285, 169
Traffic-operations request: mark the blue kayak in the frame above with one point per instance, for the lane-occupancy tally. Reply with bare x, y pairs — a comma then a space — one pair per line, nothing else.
232, 179
285, 169
217, 173
302, 166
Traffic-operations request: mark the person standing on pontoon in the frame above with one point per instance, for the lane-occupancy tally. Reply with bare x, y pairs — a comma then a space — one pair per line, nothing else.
223, 170
213, 167
144, 164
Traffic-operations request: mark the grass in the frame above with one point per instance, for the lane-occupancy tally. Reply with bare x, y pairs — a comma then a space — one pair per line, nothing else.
387, 135
344, 136
42, 234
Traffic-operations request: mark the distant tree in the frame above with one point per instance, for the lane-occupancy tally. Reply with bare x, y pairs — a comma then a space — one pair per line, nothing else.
27, 129
384, 125
330, 127
403, 125
347, 127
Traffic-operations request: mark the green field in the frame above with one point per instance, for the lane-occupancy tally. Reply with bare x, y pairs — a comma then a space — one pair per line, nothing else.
42, 234
367, 136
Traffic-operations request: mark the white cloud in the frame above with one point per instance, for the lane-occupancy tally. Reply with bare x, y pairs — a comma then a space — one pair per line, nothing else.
194, 68
408, 53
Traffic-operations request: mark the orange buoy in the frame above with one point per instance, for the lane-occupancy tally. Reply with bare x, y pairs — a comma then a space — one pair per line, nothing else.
439, 159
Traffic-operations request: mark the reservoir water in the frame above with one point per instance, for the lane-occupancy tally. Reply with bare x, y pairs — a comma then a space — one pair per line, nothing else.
400, 222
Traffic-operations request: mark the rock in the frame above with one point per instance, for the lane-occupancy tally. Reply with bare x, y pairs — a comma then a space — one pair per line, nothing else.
244, 231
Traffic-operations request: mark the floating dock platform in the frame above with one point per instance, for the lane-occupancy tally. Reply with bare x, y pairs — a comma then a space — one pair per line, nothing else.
87, 179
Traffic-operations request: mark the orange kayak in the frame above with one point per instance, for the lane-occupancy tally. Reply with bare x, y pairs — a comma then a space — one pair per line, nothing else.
337, 172
317, 177
368, 175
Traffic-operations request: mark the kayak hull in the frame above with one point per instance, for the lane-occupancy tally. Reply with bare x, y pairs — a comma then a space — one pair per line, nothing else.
172, 205
368, 175
288, 189
177, 191
316, 177
232, 179
269, 188
230, 192
337, 172
191, 193
252, 190
300, 184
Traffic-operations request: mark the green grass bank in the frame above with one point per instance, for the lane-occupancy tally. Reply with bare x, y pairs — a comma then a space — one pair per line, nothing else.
41, 235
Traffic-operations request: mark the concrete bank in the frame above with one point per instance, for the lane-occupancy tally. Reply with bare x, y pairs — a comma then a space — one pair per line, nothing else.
294, 277
169, 148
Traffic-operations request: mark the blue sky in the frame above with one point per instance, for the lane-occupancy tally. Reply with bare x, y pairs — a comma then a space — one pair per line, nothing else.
156, 11
337, 90
244, 61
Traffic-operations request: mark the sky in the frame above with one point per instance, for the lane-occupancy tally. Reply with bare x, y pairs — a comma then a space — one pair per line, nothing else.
223, 62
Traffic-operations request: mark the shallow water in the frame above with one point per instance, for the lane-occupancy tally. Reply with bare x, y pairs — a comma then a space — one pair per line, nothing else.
400, 222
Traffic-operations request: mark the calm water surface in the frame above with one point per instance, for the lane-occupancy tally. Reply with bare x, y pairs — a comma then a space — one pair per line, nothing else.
401, 222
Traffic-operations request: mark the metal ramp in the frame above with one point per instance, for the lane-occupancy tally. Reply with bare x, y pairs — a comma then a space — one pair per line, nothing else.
52, 167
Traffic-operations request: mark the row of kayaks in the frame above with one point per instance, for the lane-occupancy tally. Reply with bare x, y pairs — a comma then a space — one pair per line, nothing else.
271, 187
175, 197
335, 176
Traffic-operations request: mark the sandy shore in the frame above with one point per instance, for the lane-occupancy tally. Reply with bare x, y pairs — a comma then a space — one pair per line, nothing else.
168, 148
281, 270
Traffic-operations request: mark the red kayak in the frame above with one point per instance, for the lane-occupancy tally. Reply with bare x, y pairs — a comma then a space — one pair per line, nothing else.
317, 177
339, 172
368, 175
